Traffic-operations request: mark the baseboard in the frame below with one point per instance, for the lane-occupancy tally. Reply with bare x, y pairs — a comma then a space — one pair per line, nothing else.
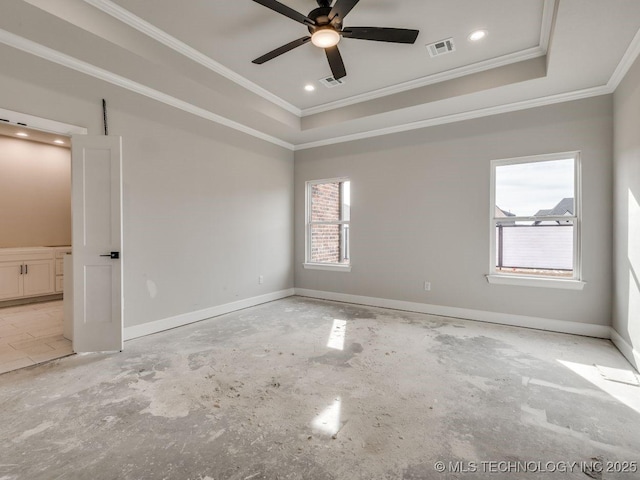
550, 325
630, 353
191, 317
27, 300
546, 324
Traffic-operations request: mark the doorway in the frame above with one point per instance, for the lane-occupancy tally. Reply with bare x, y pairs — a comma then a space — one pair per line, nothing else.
35, 193
92, 311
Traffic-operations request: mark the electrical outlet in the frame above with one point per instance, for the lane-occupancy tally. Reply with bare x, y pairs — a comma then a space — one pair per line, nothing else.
427, 286
260, 279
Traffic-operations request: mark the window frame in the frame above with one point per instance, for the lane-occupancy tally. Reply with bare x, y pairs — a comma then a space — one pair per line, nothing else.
337, 267
531, 280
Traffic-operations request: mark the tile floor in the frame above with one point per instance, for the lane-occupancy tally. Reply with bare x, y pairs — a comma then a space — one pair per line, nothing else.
31, 334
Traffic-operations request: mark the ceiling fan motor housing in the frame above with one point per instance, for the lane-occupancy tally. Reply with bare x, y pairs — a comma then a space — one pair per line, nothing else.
321, 18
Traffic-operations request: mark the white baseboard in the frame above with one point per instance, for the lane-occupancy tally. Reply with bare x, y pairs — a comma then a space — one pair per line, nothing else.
191, 317
561, 326
627, 350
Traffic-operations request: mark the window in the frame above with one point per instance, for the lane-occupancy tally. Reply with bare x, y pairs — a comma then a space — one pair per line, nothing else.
535, 221
327, 232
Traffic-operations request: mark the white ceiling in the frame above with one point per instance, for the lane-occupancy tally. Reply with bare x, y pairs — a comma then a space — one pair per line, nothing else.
244, 30
196, 56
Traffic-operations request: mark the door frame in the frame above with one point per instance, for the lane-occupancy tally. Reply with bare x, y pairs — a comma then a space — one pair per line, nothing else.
60, 128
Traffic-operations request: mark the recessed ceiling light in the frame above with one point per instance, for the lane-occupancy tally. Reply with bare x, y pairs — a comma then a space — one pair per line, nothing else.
59, 142
477, 35
309, 87
22, 134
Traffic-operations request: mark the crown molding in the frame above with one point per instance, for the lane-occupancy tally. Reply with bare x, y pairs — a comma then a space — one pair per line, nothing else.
508, 59
28, 46
459, 117
54, 56
144, 27
629, 57
549, 10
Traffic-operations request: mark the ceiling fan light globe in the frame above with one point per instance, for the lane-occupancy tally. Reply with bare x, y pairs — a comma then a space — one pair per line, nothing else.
325, 38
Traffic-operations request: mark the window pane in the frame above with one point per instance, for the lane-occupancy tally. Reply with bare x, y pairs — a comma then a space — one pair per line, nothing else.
535, 248
346, 201
325, 202
535, 188
329, 244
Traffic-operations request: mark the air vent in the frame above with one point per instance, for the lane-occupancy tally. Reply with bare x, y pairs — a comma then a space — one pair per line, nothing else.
331, 82
441, 47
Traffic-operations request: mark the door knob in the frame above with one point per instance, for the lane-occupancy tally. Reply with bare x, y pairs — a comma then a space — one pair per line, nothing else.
112, 255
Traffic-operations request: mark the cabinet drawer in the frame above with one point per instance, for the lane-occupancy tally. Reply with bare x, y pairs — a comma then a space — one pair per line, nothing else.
59, 284
62, 253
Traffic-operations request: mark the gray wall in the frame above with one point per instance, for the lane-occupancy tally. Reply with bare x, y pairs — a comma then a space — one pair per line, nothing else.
206, 209
420, 211
626, 307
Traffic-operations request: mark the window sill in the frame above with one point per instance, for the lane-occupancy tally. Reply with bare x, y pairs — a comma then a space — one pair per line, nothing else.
334, 267
535, 282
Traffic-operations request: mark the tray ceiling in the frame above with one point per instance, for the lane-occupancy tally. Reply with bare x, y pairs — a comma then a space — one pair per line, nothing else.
196, 56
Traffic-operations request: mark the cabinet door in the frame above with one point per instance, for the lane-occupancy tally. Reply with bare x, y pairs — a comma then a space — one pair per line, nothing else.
10, 280
59, 266
39, 277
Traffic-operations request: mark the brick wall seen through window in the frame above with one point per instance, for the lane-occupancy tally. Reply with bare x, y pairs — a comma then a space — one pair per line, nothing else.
328, 222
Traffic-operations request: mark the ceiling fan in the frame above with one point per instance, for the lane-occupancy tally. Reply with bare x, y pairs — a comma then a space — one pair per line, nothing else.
325, 26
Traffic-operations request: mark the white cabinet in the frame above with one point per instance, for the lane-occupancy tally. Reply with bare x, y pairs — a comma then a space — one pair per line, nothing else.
60, 253
27, 272
38, 277
11, 285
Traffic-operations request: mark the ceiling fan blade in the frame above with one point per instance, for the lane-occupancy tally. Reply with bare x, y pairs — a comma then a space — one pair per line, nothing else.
280, 50
286, 11
380, 34
342, 8
335, 62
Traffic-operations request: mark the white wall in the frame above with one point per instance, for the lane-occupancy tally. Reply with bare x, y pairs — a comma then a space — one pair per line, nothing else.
35, 194
626, 305
420, 211
206, 209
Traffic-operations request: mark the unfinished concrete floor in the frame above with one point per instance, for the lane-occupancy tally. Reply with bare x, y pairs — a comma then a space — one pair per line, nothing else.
314, 390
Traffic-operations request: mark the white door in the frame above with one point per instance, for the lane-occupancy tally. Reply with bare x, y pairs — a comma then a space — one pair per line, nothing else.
96, 203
